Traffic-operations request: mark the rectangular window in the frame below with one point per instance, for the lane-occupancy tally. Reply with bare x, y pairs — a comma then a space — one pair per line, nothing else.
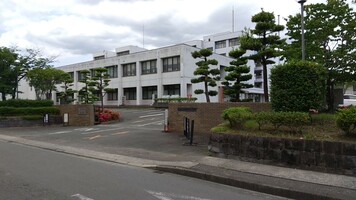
171, 89
130, 93
112, 95
122, 53
71, 74
149, 67
171, 64
129, 69
112, 71
220, 44
81, 76
99, 57
148, 92
233, 42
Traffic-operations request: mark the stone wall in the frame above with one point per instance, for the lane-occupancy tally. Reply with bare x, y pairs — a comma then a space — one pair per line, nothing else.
79, 115
205, 115
19, 122
324, 156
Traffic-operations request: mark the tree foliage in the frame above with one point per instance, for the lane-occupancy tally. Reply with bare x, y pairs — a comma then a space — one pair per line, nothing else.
297, 86
85, 95
264, 41
238, 74
330, 39
66, 96
99, 84
205, 74
8, 57
44, 81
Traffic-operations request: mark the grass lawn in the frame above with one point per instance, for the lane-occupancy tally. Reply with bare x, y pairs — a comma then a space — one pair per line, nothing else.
322, 127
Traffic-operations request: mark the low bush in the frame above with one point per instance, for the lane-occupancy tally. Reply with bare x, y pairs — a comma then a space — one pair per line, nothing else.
346, 120
237, 116
26, 103
107, 115
262, 118
178, 99
13, 111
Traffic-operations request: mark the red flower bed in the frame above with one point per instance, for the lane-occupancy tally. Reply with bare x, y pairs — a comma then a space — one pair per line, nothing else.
106, 115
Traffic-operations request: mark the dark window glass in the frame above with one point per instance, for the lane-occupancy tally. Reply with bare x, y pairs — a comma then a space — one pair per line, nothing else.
147, 92
129, 69
130, 93
171, 89
171, 64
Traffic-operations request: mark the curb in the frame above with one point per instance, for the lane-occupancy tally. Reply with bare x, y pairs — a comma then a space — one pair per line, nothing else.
263, 187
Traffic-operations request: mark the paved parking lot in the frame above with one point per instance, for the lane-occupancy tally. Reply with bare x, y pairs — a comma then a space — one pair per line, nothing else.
139, 133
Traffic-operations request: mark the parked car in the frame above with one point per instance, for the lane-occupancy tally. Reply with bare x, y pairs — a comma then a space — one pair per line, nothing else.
349, 99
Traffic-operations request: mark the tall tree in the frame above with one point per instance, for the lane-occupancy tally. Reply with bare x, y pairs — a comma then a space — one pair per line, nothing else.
8, 57
205, 74
265, 41
44, 81
330, 38
99, 84
236, 79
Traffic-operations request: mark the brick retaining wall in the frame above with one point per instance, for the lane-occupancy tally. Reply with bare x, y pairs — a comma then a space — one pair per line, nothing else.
79, 115
324, 156
205, 115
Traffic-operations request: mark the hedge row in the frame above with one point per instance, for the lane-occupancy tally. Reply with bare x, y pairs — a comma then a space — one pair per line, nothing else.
26, 103
178, 99
12, 111
294, 121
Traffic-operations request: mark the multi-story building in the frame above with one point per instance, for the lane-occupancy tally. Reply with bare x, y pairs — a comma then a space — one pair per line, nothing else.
138, 75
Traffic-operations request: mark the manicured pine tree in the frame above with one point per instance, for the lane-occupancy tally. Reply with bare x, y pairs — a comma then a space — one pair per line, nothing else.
264, 41
205, 74
238, 74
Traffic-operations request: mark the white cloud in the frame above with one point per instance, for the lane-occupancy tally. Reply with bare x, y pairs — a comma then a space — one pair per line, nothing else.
75, 28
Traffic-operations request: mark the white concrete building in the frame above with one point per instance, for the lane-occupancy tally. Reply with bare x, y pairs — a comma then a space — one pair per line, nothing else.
139, 74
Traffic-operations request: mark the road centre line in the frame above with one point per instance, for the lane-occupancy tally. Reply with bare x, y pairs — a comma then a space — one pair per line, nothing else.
144, 116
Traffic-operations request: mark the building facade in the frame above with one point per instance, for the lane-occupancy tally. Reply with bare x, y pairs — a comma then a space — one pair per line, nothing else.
138, 75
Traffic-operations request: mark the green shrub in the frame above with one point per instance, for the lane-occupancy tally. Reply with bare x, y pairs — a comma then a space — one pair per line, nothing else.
11, 111
26, 103
346, 120
296, 120
32, 117
297, 87
323, 119
293, 120
262, 118
237, 116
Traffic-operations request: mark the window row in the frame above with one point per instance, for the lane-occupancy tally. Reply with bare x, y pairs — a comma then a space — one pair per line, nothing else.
231, 42
147, 67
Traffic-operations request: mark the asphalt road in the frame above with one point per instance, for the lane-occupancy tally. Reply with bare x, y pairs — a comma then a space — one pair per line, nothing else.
139, 133
32, 173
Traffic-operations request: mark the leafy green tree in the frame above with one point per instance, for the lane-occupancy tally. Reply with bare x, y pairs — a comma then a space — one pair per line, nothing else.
66, 95
264, 41
44, 81
297, 86
8, 57
330, 39
85, 95
236, 79
99, 84
205, 74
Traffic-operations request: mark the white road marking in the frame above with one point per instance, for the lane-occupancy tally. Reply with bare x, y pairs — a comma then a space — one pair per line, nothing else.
144, 116
120, 133
156, 122
137, 121
101, 130
95, 137
171, 196
59, 132
81, 197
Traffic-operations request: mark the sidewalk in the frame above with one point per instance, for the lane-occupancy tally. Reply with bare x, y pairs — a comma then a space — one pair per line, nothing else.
280, 181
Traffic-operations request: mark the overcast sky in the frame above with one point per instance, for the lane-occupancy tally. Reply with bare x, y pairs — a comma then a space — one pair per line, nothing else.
74, 29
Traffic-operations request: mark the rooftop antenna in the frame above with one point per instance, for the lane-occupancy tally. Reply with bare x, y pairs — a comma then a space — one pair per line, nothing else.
143, 36
233, 18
